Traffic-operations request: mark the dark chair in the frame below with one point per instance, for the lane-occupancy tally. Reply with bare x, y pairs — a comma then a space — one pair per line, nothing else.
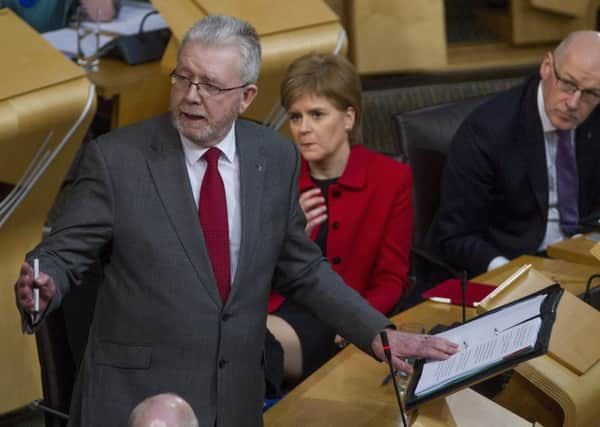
425, 135
61, 341
380, 106
57, 369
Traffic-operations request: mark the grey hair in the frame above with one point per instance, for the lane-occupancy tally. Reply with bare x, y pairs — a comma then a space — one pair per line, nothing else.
219, 30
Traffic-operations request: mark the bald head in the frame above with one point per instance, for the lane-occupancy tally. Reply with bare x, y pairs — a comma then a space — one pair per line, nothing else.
585, 41
571, 79
582, 47
163, 410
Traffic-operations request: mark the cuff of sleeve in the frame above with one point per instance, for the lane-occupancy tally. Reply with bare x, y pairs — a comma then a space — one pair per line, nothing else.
499, 261
31, 323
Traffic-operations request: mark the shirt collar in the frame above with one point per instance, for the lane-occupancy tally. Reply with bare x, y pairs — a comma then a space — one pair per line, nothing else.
193, 152
546, 124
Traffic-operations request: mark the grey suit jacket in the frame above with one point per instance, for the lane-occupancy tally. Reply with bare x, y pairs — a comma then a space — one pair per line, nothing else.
159, 324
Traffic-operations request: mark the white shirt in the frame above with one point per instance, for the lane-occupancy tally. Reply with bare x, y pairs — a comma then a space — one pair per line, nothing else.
553, 231
229, 168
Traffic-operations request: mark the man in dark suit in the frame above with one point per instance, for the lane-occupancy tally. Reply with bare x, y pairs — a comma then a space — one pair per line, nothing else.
523, 167
195, 216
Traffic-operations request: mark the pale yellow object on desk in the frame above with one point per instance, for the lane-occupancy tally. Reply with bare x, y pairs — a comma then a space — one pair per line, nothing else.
43, 97
576, 249
466, 408
544, 388
569, 343
595, 251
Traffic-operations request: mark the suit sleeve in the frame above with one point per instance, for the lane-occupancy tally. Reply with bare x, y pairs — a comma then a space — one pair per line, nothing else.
388, 280
304, 275
465, 200
83, 230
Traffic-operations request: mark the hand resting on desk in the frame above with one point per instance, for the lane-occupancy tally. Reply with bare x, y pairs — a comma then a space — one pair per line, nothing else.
404, 344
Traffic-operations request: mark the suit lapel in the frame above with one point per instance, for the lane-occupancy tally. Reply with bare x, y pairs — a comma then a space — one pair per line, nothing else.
586, 152
167, 167
253, 164
531, 142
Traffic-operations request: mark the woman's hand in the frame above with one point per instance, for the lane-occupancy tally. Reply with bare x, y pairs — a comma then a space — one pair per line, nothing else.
313, 205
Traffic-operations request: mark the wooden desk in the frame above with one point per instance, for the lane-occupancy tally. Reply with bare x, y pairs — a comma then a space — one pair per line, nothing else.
347, 390
138, 91
545, 390
575, 250
571, 276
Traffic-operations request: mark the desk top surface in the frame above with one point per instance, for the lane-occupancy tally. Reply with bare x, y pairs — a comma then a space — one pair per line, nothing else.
114, 76
575, 250
347, 390
29, 63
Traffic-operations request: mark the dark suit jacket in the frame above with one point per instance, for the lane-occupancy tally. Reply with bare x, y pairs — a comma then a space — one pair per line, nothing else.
159, 324
494, 192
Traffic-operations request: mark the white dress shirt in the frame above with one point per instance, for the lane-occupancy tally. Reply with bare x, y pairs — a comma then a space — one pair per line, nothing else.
553, 230
229, 169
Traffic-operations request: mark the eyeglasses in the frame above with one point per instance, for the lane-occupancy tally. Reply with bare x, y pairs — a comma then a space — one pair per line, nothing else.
204, 89
589, 96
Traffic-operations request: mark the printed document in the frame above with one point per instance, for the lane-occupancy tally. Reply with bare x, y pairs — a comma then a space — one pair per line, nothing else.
485, 342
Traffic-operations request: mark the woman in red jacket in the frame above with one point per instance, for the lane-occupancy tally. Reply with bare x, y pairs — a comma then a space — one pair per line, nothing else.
357, 203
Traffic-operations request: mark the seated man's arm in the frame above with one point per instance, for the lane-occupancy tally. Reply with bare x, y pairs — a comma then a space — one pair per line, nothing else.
466, 197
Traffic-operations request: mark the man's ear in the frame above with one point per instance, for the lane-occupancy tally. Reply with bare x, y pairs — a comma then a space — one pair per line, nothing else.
546, 66
248, 95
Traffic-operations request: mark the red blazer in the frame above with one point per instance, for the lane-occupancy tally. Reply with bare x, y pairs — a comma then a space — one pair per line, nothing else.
370, 226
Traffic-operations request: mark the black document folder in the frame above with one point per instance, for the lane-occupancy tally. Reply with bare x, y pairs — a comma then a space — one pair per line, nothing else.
490, 344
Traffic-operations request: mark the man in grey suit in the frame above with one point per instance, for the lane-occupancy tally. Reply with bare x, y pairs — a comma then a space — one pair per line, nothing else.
170, 315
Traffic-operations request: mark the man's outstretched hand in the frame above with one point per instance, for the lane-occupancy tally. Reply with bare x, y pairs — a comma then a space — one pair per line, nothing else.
404, 344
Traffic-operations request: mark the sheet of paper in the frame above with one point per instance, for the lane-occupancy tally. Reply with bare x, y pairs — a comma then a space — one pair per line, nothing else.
65, 40
129, 19
483, 328
481, 354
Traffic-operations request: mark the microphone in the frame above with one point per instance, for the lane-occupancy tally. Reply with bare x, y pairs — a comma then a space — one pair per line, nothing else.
463, 299
388, 357
587, 295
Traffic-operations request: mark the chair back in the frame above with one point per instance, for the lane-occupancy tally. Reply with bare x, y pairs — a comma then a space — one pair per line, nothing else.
57, 368
425, 135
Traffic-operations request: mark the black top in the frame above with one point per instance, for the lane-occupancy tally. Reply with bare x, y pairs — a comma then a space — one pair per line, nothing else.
321, 239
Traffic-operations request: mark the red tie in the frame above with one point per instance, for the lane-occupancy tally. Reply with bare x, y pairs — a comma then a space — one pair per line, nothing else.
212, 211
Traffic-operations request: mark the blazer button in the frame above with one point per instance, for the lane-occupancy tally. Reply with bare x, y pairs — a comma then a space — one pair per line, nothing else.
226, 317
336, 193
336, 260
335, 225
222, 363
